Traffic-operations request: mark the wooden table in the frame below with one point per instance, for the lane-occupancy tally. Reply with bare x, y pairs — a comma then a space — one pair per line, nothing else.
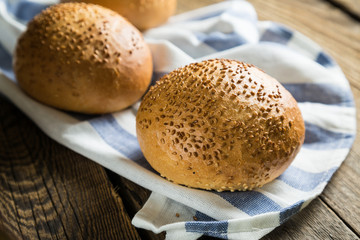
48, 191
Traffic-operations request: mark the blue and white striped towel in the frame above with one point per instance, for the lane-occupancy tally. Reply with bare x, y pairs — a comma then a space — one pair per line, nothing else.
226, 30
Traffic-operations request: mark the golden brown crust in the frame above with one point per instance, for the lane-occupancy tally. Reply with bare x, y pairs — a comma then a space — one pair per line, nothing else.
144, 14
84, 58
219, 124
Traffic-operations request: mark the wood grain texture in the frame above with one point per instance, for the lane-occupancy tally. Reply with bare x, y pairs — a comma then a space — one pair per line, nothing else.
316, 221
354, 5
350, 7
342, 194
188, 5
328, 26
50, 192
134, 197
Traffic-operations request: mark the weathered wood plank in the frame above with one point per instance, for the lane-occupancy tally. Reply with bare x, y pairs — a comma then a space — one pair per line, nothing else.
350, 4
188, 5
316, 221
350, 7
337, 33
343, 194
134, 197
50, 192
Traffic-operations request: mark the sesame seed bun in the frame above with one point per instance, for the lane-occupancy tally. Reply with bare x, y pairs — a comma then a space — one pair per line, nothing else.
83, 58
219, 124
144, 14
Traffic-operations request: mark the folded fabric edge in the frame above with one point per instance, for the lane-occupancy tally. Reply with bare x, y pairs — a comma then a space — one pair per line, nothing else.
149, 216
11, 26
152, 213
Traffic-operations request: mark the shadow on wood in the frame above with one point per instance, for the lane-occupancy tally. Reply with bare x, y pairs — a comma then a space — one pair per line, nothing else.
48, 191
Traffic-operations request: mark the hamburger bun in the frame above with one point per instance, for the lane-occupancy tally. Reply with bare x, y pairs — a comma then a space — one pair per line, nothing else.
143, 14
83, 58
219, 124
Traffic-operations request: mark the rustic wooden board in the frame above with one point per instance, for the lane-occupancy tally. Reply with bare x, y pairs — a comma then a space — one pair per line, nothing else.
188, 5
351, 7
50, 192
134, 197
342, 195
316, 221
337, 33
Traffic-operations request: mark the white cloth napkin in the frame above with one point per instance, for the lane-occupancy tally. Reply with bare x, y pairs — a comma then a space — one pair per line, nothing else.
226, 30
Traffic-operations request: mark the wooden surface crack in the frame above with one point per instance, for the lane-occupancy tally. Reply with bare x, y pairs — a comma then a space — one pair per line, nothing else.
33, 214
345, 9
17, 214
35, 162
323, 200
70, 204
50, 192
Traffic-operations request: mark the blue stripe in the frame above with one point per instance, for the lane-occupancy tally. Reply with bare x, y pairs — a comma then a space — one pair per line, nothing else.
278, 34
319, 138
305, 181
6, 63
325, 93
116, 136
255, 203
286, 213
250, 202
324, 59
208, 226
119, 139
221, 41
25, 10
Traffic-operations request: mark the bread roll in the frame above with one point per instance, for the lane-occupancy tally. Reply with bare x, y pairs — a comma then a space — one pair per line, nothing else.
219, 124
143, 14
83, 58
